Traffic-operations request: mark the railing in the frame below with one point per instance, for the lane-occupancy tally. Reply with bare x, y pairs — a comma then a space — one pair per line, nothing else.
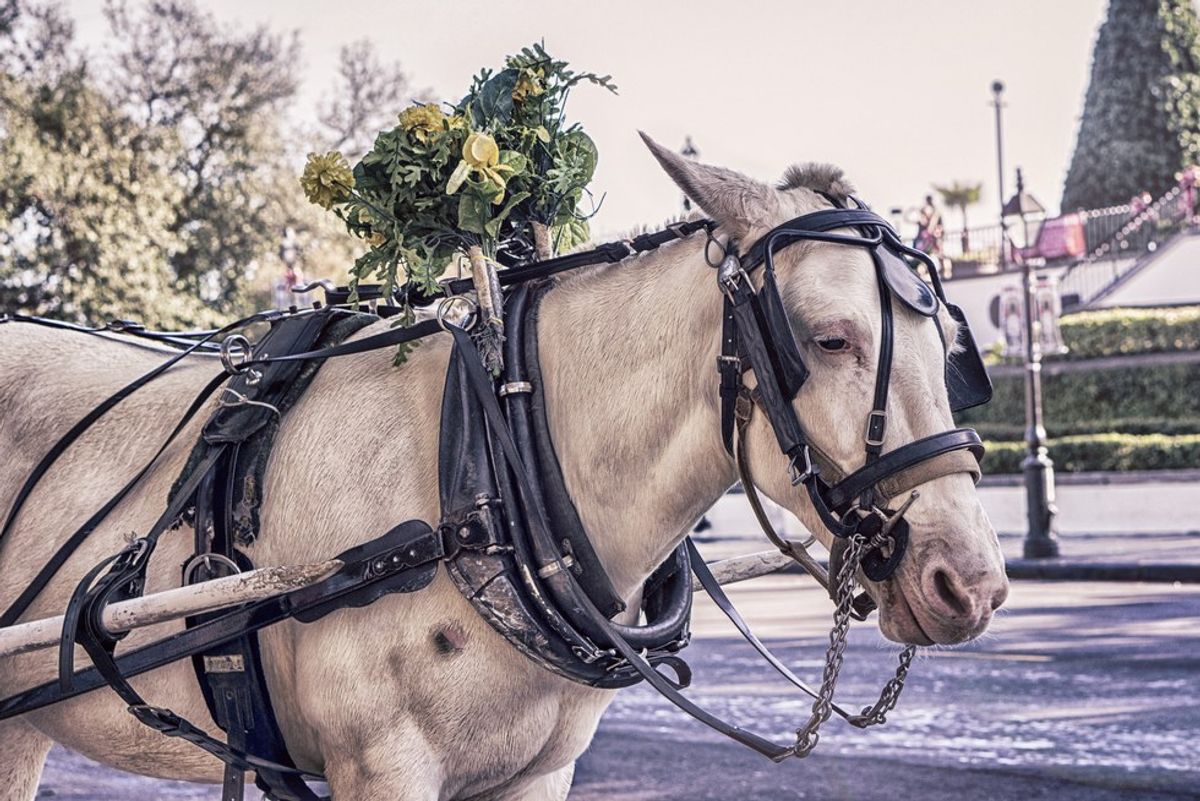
977, 245
1123, 252
981, 245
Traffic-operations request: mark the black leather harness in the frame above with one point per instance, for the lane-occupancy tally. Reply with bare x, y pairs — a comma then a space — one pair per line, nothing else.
510, 535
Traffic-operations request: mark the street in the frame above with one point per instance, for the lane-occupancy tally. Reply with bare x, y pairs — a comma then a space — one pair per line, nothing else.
1079, 690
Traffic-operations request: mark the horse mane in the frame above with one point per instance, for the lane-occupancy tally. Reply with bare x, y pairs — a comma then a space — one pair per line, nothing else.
818, 177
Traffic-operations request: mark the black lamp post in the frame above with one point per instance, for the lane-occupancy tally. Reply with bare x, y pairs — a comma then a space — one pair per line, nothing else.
1041, 540
998, 103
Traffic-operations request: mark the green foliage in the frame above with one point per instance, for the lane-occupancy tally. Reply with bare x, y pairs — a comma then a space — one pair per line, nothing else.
479, 173
85, 219
1119, 332
1012, 432
1103, 452
1141, 116
1087, 396
960, 195
154, 179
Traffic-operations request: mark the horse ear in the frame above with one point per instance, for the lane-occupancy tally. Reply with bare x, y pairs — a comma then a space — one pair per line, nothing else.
737, 202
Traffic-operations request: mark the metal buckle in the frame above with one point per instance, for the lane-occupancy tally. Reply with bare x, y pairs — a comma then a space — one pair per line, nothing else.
729, 272
874, 434
810, 470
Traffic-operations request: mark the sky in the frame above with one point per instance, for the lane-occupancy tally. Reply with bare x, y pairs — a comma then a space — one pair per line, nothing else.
897, 94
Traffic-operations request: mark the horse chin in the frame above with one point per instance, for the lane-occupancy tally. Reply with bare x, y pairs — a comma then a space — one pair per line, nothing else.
897, 620
903, 622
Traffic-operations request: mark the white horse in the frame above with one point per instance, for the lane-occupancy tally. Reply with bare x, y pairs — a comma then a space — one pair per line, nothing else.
416, 697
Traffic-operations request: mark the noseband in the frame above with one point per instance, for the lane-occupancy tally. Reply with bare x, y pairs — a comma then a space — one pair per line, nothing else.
757, 337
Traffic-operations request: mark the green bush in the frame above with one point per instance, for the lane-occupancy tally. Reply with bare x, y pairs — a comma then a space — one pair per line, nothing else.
1114, 452
1156, 391
1008, 432
1117, 332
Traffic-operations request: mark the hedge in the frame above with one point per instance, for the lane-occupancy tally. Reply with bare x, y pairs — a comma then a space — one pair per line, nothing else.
1085, 397
1117, 332
1114, 452
1007, 432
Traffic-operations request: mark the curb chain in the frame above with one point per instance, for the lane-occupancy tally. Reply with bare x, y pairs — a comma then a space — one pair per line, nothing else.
808, 735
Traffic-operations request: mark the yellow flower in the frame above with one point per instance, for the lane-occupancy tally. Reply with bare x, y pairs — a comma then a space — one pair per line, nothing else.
530, 83
457, 122
327, 179
421, 121
481, 155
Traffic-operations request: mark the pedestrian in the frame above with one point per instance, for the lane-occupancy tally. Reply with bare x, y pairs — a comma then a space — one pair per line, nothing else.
929, 229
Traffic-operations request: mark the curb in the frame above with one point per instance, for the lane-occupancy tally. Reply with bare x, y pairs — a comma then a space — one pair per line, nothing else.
1057, 569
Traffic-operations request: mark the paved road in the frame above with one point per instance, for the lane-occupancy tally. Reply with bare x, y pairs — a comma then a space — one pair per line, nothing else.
1080, 691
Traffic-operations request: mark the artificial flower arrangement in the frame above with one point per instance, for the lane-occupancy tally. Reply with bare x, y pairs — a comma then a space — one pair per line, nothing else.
499, 176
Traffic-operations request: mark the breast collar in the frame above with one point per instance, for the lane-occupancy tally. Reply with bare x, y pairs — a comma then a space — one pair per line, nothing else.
757, 337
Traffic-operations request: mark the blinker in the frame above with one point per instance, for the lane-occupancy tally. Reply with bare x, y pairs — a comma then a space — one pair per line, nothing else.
904, 282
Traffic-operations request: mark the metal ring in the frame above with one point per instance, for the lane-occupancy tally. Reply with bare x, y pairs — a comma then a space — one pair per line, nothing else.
243, 353
444, 306
207, 559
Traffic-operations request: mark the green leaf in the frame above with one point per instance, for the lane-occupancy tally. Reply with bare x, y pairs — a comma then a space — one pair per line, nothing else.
473, 213
571, 234
580, 153
513, 159
492, 229
494, 105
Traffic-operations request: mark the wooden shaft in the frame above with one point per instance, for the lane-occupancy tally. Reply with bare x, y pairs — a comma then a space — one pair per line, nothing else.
741, 568
194, 599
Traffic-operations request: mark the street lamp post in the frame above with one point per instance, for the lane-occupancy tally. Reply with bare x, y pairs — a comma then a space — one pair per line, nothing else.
998, 103
688, 151
1041, 540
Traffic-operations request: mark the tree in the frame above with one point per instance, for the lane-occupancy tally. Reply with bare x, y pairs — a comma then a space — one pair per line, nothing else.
85, 217
154, 180
960, 195
366, 98
1141, 115
212, 102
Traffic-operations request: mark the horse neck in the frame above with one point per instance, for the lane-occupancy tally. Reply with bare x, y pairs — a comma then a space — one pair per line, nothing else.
628, 357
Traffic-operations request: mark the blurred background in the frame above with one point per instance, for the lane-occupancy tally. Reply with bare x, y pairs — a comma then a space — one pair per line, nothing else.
1046, 152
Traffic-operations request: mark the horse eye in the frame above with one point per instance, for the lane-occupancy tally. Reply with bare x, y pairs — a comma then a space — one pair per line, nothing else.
832, 344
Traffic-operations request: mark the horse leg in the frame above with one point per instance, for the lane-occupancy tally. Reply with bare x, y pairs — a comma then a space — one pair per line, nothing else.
550, 787
24, 749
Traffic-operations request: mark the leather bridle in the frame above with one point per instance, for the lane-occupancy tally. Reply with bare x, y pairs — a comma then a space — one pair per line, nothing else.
757, 337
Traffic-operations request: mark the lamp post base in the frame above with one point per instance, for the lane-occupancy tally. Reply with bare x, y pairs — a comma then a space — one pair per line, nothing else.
1041, 541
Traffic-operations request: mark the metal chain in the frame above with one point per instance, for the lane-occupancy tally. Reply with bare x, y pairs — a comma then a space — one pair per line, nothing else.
808, 735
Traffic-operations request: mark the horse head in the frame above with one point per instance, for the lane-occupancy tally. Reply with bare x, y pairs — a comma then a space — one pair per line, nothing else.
952, 577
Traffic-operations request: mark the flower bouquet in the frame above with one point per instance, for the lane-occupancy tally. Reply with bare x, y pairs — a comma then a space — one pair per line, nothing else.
497, 178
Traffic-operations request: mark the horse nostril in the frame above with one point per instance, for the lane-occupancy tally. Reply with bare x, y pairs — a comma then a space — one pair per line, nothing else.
1000, 597
949, 594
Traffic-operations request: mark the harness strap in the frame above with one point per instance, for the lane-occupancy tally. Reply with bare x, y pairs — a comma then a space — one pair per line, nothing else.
481, 384
34, 588
64, 442
863, 604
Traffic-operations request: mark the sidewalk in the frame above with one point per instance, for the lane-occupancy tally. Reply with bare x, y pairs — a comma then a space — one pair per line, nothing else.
1113, 529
